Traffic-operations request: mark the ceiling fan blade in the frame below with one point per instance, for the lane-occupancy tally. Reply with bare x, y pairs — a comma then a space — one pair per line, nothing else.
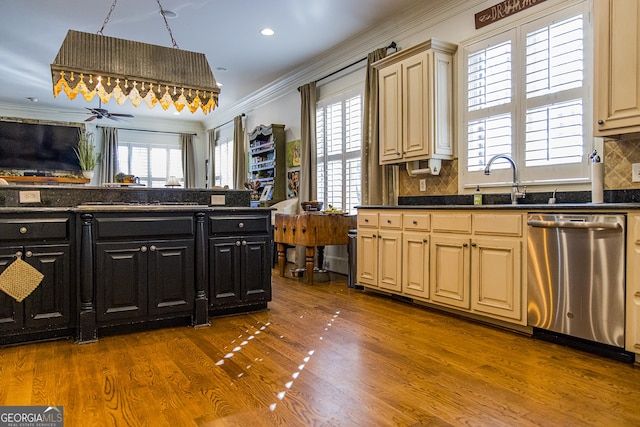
117, 119
91, 118
121, 115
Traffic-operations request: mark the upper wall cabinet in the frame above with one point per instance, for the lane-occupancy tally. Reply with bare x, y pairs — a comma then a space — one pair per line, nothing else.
416, 103
617, 67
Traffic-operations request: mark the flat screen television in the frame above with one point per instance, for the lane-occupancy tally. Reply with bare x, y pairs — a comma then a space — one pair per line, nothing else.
41, 147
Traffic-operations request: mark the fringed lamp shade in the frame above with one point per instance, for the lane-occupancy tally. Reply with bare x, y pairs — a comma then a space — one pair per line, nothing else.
93, 64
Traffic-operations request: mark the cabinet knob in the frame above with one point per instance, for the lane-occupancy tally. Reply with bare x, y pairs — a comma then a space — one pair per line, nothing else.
244, 243
304, 229
284, 228
23, 230
293, 229
366, 220
388, 221
464, 245
425, 241
28, 254
19, 254
152, 248
143, 249
473, 245
415, 222
241, 225
275, 227
238, 243
600, 122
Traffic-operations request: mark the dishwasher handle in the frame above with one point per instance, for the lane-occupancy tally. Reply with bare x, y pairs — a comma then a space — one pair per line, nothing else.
575, 224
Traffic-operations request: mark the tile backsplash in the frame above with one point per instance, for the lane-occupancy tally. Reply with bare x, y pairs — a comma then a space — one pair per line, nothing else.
619, 155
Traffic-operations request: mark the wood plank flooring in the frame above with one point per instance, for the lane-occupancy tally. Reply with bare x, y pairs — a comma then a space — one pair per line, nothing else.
323, 355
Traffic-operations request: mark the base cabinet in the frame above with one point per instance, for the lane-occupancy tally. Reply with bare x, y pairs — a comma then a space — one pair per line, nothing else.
632, 332
47, 311
471, 262
240, 254
144, 278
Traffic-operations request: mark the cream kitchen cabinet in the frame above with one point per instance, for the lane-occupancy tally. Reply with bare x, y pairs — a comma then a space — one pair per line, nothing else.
617, 70
450, 259
632, 333
416, 103
380, 250
415, 254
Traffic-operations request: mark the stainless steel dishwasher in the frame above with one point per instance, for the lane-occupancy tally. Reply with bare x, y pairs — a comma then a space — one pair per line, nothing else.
576, 279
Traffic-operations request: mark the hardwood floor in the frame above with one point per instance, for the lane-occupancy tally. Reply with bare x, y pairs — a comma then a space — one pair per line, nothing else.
323, 355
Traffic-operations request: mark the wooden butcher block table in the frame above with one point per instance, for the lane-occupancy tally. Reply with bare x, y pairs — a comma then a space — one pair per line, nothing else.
311, 230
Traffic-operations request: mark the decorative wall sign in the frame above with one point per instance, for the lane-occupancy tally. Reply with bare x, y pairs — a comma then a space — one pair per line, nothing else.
502, 10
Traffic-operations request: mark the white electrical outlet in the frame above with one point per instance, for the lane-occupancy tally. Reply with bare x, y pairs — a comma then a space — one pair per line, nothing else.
217, 199
29, 196
423, 184
635, 172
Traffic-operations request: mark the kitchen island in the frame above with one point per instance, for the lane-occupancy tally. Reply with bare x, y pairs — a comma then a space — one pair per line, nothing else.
112, 267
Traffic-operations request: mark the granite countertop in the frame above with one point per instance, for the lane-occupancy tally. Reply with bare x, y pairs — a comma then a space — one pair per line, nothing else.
129, 208
520, 207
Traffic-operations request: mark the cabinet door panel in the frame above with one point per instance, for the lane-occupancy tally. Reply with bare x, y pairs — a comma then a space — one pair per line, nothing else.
121, 280
11, 312
415, 264
415, 106
450, 271
49, 303
256, 274
496, 279
367, 248
390, 260
171, 276
224, 270
390, 104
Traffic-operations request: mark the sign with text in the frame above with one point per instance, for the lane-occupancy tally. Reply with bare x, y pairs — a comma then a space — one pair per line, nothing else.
31, 416
502, 10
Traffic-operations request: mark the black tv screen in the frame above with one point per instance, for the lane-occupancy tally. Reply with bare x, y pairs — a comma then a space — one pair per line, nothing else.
35, 146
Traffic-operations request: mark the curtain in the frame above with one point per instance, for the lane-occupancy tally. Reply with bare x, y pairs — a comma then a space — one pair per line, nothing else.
379, 183
188, 160
211, 167
239, 153
109, 160
308, 163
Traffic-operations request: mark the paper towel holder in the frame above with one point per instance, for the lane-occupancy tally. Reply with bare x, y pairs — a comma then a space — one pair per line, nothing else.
433, 167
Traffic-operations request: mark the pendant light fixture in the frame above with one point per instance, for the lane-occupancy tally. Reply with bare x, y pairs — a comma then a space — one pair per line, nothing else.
94, 64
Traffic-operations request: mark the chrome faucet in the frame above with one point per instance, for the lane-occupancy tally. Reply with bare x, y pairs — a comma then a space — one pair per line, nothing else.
515, 192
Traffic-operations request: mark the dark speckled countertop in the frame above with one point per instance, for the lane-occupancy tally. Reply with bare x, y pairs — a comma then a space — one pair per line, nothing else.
586, 207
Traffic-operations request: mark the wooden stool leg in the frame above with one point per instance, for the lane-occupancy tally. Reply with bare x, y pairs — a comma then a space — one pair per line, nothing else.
309, 255
281, 258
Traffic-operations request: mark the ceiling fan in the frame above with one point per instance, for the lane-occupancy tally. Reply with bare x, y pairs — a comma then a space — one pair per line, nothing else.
101, 113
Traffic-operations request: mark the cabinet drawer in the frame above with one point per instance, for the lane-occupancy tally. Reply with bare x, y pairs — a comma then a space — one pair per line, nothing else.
498, 224
451, 223
367, 219
34, 228
239, 224
390, 220
144, 226
416, 221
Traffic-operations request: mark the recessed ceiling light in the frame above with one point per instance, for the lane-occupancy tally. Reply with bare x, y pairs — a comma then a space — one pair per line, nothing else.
32, 98
176, 113
169, 13
267, 32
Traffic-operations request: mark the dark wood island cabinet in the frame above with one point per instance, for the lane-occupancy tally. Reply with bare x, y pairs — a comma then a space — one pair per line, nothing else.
44, 241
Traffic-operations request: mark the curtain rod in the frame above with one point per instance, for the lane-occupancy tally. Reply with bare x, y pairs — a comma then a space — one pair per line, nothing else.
151, 131
227, 122
392, 45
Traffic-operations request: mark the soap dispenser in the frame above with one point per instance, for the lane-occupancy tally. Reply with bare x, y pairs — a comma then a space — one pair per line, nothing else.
477, 196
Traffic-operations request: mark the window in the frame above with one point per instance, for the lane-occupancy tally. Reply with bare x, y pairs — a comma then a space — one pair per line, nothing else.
339, 139
527, 97
223, 164
151, 157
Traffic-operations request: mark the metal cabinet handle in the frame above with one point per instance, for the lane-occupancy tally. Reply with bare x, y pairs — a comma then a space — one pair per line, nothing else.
238, 243
600, 122
366, 220
415, 222
284, 228
425, 241
19, 254
388, 221
23, 230
473, 245
153, 248
28, 254
143, 249
293, 229
241, 225
244, 243
464, 245
304, 229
